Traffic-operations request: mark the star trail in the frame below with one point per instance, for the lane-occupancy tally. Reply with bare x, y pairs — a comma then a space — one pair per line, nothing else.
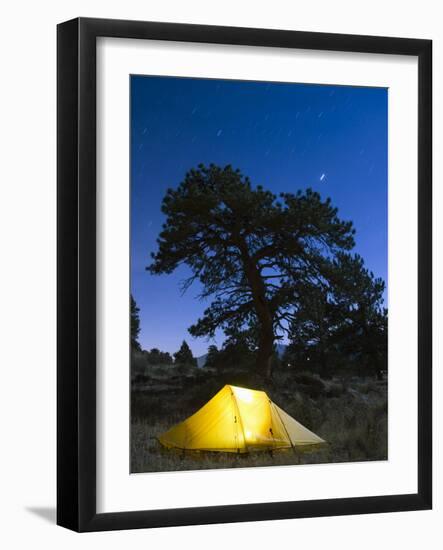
284, 136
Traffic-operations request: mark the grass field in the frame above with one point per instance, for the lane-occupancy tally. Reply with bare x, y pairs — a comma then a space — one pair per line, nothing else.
350, 414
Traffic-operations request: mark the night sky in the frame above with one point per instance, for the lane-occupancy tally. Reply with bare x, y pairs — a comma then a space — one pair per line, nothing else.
283, 136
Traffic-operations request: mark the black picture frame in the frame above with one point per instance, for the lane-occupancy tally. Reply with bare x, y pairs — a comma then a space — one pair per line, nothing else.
76, 265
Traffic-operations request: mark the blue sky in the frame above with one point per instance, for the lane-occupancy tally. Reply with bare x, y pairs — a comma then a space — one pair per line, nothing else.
284, 136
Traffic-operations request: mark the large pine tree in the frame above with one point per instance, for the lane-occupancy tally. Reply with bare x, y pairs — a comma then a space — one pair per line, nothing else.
254, 253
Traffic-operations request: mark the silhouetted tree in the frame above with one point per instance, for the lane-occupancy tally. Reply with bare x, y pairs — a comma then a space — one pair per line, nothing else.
157, 357
238, 351
184, 356
212, 357
342, 325
366, 330
252, 252
135, 325
313, 329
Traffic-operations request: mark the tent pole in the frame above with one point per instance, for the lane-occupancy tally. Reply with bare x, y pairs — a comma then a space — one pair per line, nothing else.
239, 421
235, 421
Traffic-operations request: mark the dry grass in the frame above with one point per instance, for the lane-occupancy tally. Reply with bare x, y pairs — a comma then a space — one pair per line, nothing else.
148, 455
350, 415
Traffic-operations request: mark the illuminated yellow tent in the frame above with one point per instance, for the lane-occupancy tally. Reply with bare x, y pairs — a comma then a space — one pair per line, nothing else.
239, 420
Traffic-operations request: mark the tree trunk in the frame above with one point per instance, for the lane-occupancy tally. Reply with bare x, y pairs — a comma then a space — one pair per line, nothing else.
265, 351
262, 310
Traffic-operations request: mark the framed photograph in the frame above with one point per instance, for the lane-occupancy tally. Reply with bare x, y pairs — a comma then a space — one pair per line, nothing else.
244, 274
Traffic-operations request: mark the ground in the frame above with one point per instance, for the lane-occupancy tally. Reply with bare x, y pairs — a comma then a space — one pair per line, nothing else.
350, 413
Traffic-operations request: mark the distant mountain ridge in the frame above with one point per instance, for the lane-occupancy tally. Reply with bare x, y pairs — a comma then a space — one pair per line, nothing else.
201, 361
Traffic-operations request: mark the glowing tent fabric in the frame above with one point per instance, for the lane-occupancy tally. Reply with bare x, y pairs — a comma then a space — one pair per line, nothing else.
239, 420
